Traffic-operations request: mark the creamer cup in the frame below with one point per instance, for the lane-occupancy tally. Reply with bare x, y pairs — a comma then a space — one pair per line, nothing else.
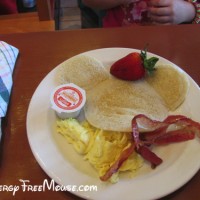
68, 100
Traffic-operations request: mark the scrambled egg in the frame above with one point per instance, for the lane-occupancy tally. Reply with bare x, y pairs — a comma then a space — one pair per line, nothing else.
101, 148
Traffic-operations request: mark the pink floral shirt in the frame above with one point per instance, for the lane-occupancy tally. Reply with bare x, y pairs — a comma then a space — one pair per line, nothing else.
137, 13
134, 13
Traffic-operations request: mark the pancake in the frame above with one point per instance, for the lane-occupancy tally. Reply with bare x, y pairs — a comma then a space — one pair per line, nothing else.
82, 70
113, 103
170, 84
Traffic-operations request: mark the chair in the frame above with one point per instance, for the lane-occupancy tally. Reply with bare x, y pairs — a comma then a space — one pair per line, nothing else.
41, 20
90, 18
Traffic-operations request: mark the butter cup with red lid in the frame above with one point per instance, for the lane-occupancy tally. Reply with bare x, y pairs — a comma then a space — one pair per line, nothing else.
68, 100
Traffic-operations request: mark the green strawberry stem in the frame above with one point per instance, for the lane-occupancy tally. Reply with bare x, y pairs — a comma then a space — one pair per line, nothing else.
149, 64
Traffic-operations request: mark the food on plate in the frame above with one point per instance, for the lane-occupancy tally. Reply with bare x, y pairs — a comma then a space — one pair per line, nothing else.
111, 152
133, 66
75, 134
84, 71
68, 100
125, 119
171, 84
112, 104
101, 148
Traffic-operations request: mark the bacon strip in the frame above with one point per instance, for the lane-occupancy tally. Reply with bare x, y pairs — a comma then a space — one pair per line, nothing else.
148, 155
175, 136
159, 134
115, 167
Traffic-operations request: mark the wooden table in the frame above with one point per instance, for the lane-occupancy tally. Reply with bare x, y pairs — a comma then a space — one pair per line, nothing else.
41, 52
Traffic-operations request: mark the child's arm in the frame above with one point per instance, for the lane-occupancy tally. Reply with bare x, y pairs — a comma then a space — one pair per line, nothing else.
105, 4
171, 11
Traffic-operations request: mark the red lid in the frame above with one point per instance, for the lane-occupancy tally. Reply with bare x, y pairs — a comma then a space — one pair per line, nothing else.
68, 98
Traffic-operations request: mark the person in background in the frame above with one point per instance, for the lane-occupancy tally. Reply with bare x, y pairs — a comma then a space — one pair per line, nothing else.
130, 12
8, 7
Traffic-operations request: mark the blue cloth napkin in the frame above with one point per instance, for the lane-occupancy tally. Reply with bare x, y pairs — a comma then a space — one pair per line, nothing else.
8, 57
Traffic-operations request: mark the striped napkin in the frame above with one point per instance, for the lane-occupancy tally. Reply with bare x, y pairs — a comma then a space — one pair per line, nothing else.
8, 57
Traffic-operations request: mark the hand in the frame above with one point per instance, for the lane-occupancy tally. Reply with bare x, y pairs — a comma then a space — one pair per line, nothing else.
171, 11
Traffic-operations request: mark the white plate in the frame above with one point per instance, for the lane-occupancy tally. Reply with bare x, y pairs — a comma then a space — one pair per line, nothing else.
59, 160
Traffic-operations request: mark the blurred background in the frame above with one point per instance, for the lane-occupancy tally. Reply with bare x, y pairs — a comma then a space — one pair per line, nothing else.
70, 14
20, 16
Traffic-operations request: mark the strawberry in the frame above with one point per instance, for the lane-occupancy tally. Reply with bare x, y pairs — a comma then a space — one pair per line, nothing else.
133, 66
